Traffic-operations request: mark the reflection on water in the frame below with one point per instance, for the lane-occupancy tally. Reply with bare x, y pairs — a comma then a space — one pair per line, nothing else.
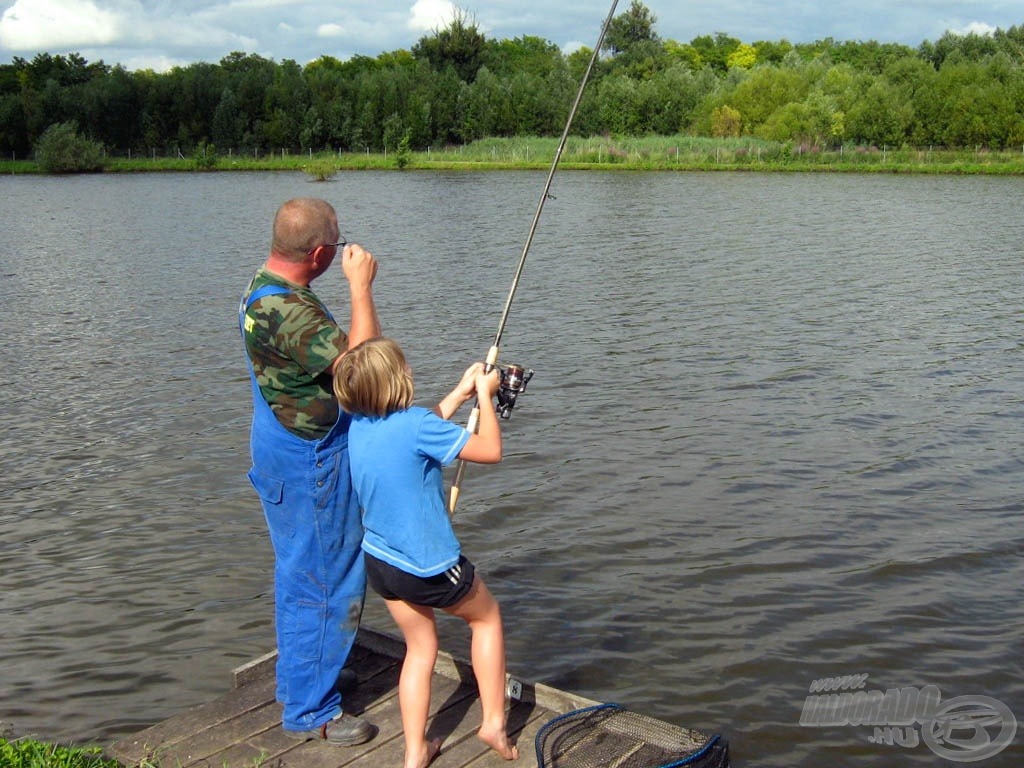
773, 437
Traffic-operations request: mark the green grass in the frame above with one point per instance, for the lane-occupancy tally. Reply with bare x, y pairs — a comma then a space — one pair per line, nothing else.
653, 153
28, 753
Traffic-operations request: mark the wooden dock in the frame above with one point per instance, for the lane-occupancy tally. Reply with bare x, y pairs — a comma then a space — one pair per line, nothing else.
242, 729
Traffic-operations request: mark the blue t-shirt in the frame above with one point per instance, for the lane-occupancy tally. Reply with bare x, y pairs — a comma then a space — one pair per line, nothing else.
396, 473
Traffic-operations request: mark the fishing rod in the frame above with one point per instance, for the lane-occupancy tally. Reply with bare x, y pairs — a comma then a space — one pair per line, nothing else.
514, 378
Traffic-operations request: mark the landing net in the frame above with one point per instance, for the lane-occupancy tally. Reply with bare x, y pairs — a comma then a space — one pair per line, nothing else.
608, 735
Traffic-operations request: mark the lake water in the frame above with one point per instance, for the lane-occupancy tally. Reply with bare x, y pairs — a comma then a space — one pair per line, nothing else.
774, 436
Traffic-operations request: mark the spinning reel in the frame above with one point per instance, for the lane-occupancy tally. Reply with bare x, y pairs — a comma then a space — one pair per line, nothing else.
514, 379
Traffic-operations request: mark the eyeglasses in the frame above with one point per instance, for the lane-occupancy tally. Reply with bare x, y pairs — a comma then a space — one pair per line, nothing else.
340, 244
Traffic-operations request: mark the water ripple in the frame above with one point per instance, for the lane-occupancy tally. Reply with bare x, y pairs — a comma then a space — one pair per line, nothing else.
773, 437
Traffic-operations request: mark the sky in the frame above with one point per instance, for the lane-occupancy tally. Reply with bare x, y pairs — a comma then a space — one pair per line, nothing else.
160, 34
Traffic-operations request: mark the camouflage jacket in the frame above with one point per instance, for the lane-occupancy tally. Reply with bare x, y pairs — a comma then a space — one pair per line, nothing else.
292, 342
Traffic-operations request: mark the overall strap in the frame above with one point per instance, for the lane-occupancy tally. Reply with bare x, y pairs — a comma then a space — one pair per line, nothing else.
259, 293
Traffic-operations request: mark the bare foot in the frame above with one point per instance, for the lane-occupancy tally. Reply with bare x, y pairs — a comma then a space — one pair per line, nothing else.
498, 741
430, 751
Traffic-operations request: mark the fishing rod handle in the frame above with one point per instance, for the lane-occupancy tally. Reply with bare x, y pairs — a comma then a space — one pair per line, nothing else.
453, 494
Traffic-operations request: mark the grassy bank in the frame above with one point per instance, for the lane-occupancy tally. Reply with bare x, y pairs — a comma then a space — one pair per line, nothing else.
656, 153
29, 753
700, 154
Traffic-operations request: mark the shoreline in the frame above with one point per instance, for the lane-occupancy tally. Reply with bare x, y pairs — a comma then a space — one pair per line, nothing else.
25, 168
652, 153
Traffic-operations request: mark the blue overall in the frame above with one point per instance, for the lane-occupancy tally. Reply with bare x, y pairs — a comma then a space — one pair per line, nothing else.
316, 531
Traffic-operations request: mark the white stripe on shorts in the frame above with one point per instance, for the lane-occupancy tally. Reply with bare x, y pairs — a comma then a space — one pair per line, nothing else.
454, 574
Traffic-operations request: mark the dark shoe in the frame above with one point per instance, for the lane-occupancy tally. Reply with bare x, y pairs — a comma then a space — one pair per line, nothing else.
341, 731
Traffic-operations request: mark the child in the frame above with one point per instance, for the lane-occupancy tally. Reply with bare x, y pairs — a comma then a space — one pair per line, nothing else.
413, 559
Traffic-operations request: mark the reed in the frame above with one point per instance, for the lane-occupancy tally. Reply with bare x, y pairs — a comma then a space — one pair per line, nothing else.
656, 153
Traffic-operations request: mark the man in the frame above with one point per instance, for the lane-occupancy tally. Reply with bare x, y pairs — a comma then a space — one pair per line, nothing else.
299, 446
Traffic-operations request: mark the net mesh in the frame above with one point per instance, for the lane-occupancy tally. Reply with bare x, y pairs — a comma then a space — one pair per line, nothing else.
608, 735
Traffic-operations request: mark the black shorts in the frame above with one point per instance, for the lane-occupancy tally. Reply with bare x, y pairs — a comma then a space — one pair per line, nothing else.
441, 591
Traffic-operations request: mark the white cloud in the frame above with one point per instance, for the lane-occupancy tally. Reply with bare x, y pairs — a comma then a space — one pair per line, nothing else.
164, 31
330, 30
157, 63
246, 5
428, 15
48, 24
977, 28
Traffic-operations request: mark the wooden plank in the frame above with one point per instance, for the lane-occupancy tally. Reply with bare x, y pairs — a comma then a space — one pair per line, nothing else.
178, 728
206, 745
449, 700
525, 740
257, 669
523, 721
387, 748
553, 699
243, 727
246, 715
265, 666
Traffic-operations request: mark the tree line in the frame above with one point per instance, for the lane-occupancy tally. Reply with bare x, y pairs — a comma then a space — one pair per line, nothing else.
457, 85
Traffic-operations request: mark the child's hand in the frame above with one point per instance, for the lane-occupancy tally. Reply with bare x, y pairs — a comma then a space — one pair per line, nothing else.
487, 384
466, 388
484, 447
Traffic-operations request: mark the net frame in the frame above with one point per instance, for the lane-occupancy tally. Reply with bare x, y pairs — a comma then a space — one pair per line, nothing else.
610, 736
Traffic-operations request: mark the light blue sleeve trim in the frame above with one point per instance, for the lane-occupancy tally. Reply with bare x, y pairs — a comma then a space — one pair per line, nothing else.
457, 448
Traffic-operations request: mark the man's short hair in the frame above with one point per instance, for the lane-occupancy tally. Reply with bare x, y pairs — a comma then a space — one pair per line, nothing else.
301, 224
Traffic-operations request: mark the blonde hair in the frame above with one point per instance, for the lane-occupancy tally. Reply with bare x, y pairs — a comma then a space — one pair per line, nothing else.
373, 379
301, 224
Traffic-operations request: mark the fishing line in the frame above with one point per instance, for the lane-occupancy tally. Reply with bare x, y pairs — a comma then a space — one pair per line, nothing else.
492, 353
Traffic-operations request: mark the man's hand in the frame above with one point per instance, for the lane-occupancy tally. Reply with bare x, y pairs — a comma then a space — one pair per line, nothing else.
360, 270
359, 265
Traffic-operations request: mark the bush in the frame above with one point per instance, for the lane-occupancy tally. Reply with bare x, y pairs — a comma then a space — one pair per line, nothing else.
205, 156
61, 150
321, 168
404, 158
